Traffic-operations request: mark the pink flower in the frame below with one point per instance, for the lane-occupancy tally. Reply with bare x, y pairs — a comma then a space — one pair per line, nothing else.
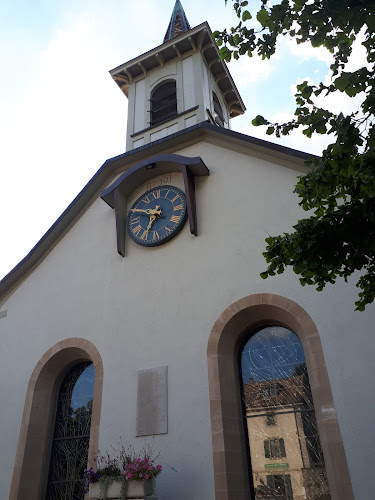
128, 475
159, 467
149, 467
147, 476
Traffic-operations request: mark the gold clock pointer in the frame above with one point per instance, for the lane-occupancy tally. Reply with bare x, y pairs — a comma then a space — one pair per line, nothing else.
154, 214
157, 211
152, 218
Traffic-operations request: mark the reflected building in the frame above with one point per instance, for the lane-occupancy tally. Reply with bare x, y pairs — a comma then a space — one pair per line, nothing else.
286, 456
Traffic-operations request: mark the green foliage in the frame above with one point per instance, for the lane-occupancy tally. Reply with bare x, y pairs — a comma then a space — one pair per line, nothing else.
338, 238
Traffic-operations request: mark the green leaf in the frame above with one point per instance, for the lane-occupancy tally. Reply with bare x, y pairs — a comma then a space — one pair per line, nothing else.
259, 120
225, 53
341, 82
246, 15
262, 17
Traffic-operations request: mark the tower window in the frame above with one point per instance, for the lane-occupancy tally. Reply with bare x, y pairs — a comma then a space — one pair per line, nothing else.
163, 103
218, 111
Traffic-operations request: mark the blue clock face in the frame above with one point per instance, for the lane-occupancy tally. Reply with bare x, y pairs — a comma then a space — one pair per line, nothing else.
157, 216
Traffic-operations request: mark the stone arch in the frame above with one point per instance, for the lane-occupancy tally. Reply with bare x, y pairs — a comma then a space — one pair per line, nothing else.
32, 456
228, 439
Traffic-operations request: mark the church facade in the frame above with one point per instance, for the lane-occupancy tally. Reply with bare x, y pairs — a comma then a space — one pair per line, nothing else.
145, 297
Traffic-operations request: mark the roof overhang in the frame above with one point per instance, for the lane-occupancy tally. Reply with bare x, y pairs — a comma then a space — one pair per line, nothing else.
197, 39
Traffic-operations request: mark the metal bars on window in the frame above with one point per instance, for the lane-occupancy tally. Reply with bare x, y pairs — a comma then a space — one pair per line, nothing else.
71, 434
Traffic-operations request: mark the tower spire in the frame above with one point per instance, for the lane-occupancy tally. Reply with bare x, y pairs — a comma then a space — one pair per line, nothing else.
178, 23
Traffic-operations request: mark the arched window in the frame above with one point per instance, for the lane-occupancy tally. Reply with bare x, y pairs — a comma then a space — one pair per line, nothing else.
33, 454
71, 435
163, 102
230, 457
285, 452
218, 112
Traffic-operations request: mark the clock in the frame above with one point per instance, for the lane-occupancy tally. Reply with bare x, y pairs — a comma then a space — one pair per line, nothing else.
157, 216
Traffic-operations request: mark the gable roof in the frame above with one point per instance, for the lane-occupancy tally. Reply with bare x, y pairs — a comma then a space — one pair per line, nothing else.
112, 167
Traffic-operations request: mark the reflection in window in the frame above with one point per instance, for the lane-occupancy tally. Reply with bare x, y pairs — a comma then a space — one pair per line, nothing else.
163, 103
274, 448
285, 451
271, 419
71, 434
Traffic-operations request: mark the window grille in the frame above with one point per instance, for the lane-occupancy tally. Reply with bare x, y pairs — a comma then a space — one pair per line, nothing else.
71, 437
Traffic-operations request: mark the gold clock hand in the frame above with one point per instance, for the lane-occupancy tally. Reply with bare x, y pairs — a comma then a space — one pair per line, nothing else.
152, 218
149, 211
145, 211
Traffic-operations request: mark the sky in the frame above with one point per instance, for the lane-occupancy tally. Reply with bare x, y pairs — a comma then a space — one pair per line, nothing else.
62, 115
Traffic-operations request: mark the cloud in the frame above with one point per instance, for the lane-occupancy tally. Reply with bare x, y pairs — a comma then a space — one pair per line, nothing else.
305, 51
248, 70
56, 137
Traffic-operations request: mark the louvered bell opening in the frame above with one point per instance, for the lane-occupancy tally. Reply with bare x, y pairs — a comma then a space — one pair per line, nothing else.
163, 103
218, 112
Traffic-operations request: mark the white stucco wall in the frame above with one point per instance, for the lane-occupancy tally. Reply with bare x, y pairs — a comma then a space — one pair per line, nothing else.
156, 307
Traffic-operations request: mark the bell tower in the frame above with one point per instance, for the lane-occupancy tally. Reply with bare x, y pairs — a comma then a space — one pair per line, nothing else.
177, 85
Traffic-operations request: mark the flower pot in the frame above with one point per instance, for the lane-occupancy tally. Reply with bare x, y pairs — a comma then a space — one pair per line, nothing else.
140, 489
136, 489
114, 490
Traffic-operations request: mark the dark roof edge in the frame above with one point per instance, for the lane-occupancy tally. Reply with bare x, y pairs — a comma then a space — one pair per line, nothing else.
109, 168
295, 153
